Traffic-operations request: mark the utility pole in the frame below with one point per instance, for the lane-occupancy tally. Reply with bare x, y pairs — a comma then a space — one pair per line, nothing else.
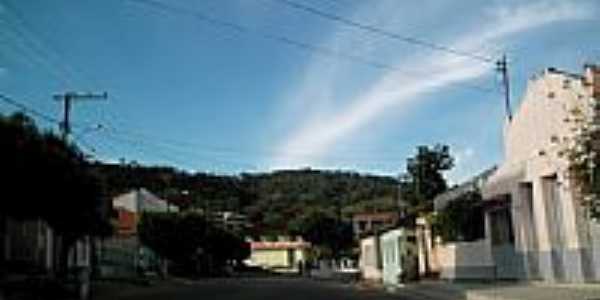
502, 67
67, 98
65, 128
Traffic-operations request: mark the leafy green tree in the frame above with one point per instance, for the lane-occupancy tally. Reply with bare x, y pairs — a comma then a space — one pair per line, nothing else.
583, 154
462, 219
332, 236
424, 178
189, 241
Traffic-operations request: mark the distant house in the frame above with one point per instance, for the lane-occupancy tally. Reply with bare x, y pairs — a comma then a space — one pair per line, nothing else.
283, 255
367, 223
130, 206
122, 254
230, 221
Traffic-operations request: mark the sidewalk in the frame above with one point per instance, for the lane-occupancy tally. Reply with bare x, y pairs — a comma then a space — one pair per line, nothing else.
499, 291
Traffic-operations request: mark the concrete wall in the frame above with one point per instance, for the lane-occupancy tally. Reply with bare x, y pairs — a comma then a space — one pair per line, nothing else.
369, 262
270, 258
465, 260
29, 241
278, 258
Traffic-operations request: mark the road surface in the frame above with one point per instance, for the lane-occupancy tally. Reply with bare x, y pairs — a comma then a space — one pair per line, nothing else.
253, 289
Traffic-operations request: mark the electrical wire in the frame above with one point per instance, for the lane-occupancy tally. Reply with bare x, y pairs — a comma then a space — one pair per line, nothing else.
385, 33
305, 46
28, 109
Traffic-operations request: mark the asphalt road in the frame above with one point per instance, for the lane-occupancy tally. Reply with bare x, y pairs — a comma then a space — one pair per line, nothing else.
254, 289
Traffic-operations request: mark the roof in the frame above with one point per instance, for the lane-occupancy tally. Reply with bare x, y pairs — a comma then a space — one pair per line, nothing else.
472, 185
565, 73
503, 181
142, 200
279, 245
377, 215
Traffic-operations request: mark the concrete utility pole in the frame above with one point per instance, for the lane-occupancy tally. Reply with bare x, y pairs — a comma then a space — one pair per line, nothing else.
67, 98
502, 67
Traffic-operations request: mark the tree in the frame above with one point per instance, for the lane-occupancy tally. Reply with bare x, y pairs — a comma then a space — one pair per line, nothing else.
49, 179
424, 177
462, 219
333, 237
582, 152
190, 241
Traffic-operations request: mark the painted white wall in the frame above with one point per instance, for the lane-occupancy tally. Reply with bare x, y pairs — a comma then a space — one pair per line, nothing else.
369, 259
538, 133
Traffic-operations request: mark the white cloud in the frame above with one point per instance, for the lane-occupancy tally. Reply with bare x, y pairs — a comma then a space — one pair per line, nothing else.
464, 165
320, 131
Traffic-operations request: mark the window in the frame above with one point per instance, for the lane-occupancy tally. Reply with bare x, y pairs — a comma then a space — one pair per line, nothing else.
551, 95
362, 225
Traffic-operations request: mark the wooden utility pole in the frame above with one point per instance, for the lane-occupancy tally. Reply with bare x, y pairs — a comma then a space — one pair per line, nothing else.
67, 98
502, 67
65, 128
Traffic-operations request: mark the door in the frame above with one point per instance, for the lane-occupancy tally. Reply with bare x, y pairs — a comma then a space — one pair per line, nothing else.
507, 264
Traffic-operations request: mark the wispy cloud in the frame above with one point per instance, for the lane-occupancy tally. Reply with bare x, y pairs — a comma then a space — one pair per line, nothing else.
322, 130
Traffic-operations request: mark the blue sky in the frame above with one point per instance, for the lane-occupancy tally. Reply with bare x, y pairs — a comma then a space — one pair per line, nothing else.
187, 93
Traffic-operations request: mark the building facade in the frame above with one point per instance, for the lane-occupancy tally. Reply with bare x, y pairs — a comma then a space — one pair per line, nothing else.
367, 223
31, 244
231, 221
535, 225
122, 255
129, 207
284, 255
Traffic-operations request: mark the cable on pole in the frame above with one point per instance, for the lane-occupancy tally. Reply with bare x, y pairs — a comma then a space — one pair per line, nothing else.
28, 109
295, 43
382, 32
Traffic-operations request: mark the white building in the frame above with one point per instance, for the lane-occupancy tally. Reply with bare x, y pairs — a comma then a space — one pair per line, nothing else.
284, 255
535, 226
142, 200
122, 254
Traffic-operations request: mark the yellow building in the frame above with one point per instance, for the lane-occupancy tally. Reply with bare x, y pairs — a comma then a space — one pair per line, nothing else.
282, 255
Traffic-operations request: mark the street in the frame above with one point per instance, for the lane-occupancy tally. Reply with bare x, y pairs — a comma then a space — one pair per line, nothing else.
259, 289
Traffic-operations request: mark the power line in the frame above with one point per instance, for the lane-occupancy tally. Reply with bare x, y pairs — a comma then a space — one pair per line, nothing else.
382, 32
31, 41
305, 46
203, 152
144, 139
186, 146
28, 109
170, 157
